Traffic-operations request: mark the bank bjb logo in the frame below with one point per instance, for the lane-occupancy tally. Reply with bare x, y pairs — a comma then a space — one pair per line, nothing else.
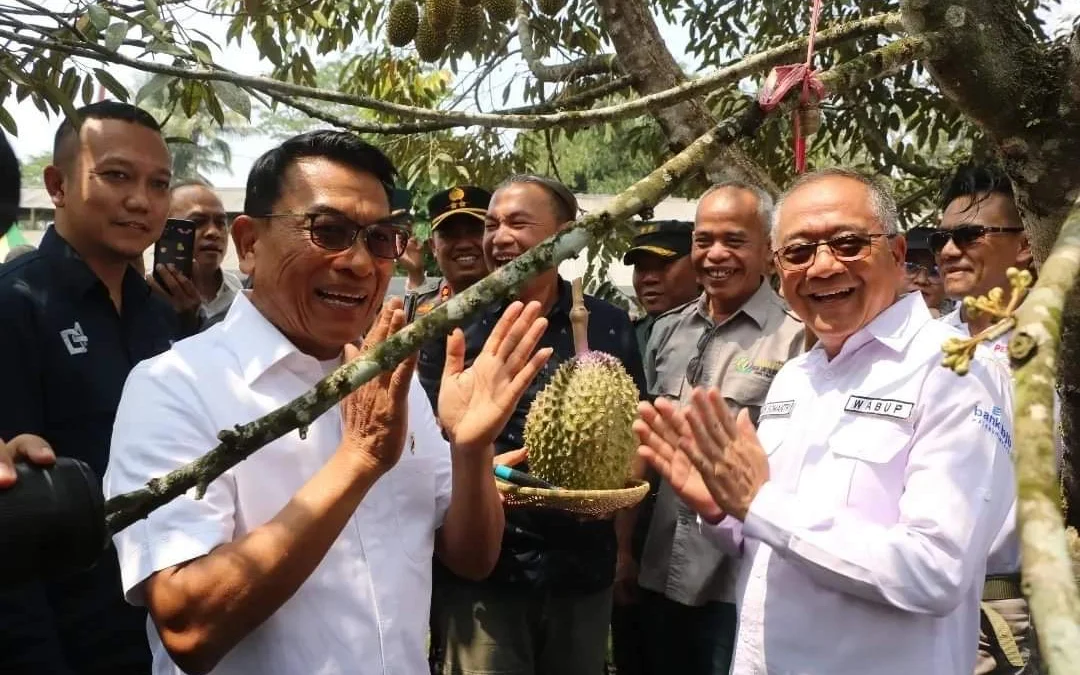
991, 421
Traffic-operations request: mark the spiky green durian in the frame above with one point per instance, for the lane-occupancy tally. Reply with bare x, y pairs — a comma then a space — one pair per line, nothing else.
465, 31
402, 20
440, 13
430, 43
500, 10
578, 429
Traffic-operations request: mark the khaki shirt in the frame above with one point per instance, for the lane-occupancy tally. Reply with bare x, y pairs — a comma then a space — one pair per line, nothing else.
741, 356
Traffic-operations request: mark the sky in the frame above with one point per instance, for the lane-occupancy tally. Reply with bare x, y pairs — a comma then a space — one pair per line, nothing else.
36, 129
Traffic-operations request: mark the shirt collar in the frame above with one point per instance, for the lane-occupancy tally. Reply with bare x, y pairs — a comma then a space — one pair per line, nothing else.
756, 307
257, 343
954, 319
77, 275
895, 327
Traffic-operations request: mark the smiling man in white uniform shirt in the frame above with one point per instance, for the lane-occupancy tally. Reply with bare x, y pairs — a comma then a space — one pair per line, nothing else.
864, 505
313, 556
980, 237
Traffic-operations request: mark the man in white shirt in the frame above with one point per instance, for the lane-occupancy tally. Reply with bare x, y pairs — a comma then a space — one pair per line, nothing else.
980, 237
313, 555
865, 503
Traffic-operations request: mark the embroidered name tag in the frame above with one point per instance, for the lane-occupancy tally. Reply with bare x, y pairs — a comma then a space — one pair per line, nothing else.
776, 409
885, 407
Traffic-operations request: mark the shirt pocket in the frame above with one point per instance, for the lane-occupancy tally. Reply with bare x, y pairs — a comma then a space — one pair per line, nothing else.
413, 484
866, 464
745, 391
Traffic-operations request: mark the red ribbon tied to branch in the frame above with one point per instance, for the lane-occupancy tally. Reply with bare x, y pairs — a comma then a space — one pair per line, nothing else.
782, 79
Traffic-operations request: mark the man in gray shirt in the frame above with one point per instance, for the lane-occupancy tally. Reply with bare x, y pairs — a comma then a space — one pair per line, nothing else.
736, 336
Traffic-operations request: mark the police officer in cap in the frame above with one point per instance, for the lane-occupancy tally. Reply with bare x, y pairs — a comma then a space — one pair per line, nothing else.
457, 233
664, 277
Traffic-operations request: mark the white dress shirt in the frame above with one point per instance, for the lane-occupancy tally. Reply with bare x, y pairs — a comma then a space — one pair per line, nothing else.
865, 550
365, 607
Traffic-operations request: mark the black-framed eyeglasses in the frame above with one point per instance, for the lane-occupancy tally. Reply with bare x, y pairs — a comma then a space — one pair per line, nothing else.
696, 366
385, 238
845, 248
914, 269
964, 236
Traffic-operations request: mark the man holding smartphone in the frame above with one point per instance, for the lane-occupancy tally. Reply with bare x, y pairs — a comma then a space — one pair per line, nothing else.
79, 317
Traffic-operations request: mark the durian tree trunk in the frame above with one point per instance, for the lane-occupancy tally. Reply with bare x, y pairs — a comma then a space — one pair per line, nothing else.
1047, 566
238, 443
644, 56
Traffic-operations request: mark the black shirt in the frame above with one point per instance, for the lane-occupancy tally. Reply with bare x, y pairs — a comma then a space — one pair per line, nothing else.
67, 353
547, 550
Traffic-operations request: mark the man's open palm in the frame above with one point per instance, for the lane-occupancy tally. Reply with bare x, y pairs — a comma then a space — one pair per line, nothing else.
475, 403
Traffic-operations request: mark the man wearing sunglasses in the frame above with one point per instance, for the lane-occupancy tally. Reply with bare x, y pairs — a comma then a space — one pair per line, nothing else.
864, 503
980, 237
735, 336
315, 553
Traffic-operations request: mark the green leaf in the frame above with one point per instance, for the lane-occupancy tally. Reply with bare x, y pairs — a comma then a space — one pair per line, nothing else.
88, 91
8, 122
156, 84
112, 84
201, 51
152, 6
99, 16
234, 98
115, 34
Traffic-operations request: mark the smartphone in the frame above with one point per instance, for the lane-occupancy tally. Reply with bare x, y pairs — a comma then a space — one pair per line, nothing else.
176, 247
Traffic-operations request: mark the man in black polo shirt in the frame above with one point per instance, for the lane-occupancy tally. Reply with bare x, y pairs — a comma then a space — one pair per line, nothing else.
545, 609
76, 318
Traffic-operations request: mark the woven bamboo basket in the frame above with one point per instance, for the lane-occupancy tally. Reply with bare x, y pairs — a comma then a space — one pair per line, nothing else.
592, 503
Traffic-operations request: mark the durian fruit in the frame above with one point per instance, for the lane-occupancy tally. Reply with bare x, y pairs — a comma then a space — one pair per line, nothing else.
578, 430
430, 43
440, 13
550, 7
402, 20
500, 10
469, 3
465, 31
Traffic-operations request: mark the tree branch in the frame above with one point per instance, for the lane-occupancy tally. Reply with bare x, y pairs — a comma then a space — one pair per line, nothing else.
589, 65
439, 119
1047, 567
239, 442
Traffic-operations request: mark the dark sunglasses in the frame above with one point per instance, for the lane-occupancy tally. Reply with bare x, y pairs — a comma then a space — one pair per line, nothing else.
913, 270
696, 366
845, 248
964, 236
385, 238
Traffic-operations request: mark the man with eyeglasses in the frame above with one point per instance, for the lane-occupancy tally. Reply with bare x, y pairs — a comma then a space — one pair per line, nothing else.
735, 336
214, 287
864, 503
921, 273
980, 237
315, 553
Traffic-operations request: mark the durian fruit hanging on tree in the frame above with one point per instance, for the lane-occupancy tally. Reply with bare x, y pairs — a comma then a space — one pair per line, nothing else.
466, 28
402, 20
500, 10
550, 7
440, 13
578, 430
430, 43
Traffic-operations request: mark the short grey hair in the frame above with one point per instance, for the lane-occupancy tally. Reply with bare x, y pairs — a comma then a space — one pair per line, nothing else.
882, 201
764, 199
